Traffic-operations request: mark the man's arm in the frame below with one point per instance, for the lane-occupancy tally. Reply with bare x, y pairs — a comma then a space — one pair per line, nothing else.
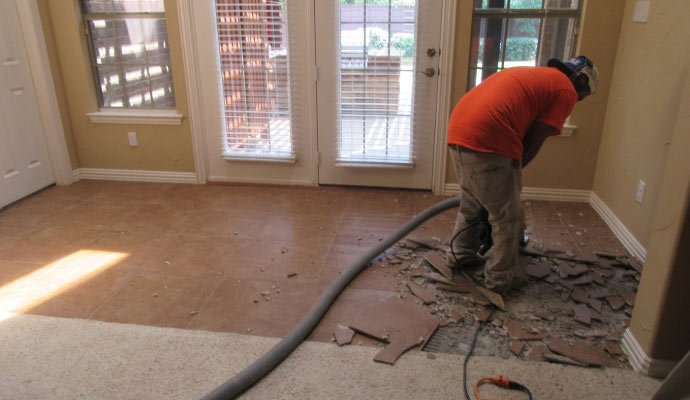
534, 138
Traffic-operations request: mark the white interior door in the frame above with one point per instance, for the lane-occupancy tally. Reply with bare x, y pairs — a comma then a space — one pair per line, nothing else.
377, 63
24, 163
255, 65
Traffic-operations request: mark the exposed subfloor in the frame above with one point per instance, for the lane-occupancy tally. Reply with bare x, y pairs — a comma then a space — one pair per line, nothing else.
253, 260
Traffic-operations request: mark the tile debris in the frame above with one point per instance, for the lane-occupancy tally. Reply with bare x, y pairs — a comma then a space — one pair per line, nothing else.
343, 335
533, 324
516, 347
578, 351
423, 294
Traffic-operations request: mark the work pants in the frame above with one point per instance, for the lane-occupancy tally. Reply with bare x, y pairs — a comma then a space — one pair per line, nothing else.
494, 182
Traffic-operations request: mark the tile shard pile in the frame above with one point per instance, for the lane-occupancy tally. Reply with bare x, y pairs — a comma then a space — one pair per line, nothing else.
573, 310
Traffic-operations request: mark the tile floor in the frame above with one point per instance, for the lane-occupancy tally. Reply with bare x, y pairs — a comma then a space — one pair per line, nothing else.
200, 256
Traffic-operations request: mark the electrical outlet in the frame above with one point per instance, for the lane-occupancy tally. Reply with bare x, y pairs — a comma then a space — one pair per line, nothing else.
641, 11
640, 191
132, 139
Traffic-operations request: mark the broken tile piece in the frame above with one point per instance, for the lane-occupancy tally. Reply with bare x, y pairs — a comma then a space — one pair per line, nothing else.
516, 347
539, 271
628, 296
599, 294
583, 314
343, 335
595, 304
385, 318
616, 302
583, 280
455, 317
495, 298
613, 348
398, 345
573, 271
477, 298
562, 360
439, 263
553, 278
598, 278
435, 277
537, 352
605, 255
545, 315
432, 244
454, 287
523, 331
423, 294
580, 296
482, 315
578, 351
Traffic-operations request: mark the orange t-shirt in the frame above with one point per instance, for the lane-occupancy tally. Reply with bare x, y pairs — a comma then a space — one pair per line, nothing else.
494, 116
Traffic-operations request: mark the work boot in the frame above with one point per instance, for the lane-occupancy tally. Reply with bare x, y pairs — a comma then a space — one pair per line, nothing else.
469, 262
517, 283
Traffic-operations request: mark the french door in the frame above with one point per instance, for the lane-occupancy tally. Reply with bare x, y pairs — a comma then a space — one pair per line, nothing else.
378, 63
319, 91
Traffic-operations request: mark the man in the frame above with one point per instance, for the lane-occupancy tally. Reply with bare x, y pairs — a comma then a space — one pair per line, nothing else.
495, 130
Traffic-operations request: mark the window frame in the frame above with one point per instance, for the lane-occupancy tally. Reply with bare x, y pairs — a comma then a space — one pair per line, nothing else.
511, 13
125, 115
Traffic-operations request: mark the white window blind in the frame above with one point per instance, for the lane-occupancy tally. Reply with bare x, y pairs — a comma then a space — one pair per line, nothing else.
376, 72
254, 65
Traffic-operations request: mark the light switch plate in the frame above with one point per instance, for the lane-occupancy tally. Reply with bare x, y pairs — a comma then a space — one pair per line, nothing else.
641, 11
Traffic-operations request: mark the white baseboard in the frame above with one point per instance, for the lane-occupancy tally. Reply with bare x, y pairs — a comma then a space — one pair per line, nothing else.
134, 175
295, 182
622, 233
533, 193
641, 362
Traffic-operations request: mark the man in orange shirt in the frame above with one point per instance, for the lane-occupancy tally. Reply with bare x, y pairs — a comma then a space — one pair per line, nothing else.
495, 130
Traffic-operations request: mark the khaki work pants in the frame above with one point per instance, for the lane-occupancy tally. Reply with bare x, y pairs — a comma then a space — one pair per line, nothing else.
493, 182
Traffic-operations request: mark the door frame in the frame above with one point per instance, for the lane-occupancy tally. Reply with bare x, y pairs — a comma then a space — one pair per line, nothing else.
42, 78
188, 28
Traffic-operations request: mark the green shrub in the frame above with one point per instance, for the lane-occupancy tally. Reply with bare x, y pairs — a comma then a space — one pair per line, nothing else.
521, 49
405, 44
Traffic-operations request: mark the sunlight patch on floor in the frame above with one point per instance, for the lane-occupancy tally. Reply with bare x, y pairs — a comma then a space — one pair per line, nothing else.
53, 279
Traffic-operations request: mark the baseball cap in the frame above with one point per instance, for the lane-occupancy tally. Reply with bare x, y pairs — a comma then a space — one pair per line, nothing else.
580, 64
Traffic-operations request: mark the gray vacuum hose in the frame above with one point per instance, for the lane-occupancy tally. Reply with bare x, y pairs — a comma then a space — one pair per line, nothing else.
261, 367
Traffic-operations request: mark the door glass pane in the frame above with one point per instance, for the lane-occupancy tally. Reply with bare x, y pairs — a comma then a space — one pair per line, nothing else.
376, 72
253, 46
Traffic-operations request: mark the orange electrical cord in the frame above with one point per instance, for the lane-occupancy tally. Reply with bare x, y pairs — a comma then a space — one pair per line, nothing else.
501, 381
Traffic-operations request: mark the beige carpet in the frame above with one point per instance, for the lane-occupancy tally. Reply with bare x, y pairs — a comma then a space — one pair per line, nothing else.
57, 358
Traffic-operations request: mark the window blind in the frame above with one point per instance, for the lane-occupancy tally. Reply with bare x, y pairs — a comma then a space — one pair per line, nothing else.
254, 67
376, 77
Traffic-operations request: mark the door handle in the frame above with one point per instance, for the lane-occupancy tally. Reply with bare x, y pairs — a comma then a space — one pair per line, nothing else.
431, 52
428, 72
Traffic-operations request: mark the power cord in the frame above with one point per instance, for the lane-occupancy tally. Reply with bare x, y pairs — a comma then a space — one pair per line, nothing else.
471, 350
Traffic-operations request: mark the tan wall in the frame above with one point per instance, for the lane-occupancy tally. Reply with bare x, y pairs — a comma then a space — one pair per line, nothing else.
563, 162
57, 81
660, 321
161, 147
651, 68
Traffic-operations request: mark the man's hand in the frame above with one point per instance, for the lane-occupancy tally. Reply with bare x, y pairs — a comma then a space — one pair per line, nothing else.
534, 138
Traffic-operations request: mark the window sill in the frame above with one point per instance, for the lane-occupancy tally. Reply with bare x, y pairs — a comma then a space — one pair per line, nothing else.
143, 117
259, 158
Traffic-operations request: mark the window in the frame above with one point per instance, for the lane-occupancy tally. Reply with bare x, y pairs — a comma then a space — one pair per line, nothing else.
510, 33
254, 66
130, 53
